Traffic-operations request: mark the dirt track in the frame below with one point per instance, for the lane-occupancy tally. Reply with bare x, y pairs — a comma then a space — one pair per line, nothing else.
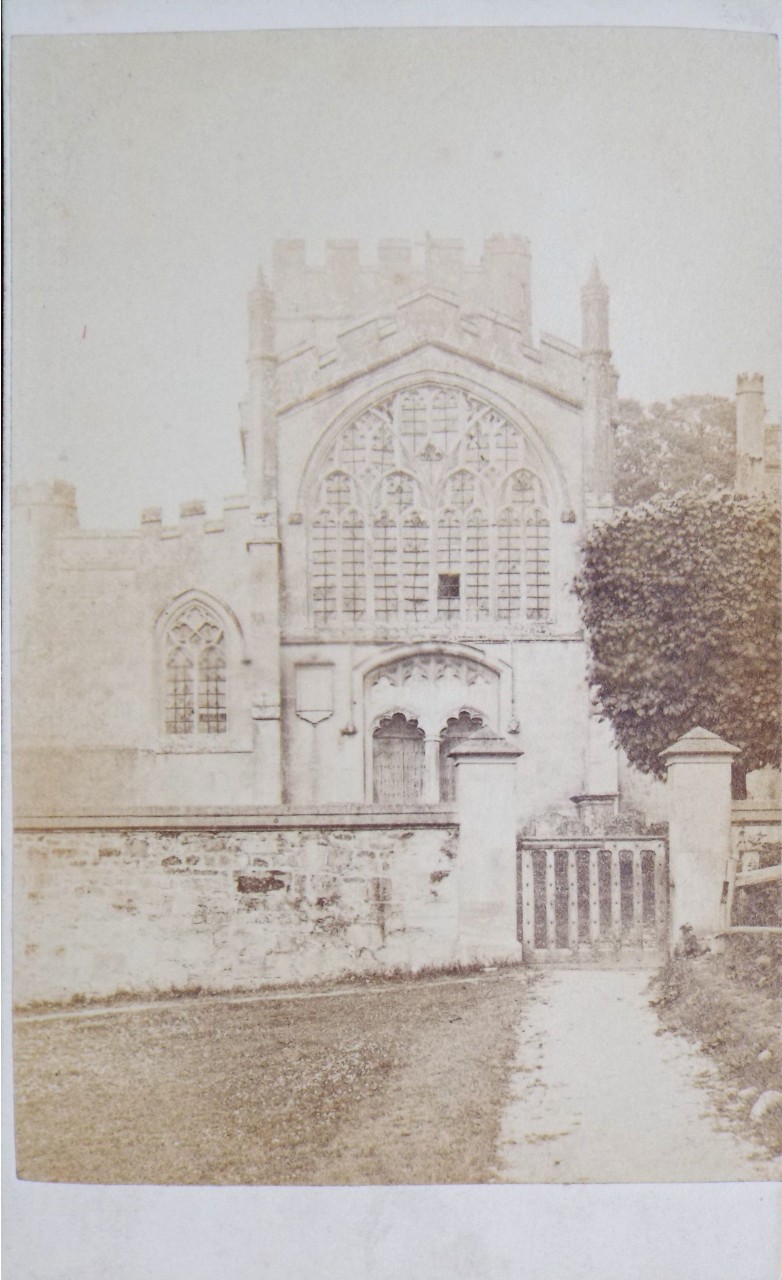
600, 1094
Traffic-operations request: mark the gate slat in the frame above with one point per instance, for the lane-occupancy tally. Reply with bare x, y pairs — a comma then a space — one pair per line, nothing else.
527, 899
572, 899
551, 923
660, 892
594, 895
616, 893
553, 929
638, 897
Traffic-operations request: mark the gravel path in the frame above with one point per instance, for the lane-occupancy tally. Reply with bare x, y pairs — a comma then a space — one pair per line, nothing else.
598, 1094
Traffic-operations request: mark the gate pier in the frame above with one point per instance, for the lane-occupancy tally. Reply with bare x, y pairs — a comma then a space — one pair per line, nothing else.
486, 812
699, 809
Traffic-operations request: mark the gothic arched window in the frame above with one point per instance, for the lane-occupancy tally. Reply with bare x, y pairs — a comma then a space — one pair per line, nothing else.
427, 508
195, 672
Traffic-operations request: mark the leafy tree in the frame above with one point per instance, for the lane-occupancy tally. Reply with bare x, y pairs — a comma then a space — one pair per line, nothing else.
681, 599
688, 444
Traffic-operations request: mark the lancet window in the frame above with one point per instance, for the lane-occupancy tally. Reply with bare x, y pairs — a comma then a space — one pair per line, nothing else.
429, 506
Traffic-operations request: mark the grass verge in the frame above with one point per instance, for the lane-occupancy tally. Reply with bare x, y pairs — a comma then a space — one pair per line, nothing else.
349, 979
729, 1005
402, 1085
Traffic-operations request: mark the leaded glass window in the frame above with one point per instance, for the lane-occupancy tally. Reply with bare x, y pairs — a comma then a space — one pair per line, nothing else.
429, 507
509, 563
449, 562
415, 561
476, 565
195, 672
323, 574
354, 582
386, 566
538, 587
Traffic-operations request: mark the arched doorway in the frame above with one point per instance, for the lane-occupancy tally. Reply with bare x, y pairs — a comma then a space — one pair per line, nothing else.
398, 761
457, 729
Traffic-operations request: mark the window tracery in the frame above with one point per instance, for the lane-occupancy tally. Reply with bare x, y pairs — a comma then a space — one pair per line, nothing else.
195, 672
426, 508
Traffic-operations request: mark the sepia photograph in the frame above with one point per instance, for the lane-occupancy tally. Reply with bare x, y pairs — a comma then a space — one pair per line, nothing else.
393, 478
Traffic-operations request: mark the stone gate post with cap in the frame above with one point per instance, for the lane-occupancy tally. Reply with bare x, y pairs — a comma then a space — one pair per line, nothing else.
487, 878
699, 831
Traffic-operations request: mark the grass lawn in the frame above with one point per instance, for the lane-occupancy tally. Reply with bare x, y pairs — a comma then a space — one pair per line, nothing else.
398, 1083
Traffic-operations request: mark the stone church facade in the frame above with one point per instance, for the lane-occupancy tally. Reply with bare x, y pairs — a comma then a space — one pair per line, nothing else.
396, 577
346, 726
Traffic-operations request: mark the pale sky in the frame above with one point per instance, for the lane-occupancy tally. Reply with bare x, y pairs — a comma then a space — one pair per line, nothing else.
151, 174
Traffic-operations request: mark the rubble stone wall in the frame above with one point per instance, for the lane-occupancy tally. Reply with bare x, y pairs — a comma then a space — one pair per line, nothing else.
99, 911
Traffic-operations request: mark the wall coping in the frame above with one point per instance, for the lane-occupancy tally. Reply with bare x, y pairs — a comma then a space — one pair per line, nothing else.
750, 811
485, 745
244, 819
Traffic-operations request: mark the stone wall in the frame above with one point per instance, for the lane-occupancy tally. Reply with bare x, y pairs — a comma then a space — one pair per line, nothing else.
754, 829
139, 907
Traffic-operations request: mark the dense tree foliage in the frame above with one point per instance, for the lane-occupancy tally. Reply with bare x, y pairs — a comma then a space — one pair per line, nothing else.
681, 599
688, 444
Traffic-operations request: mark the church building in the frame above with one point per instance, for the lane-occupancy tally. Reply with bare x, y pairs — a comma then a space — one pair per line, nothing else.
395, 579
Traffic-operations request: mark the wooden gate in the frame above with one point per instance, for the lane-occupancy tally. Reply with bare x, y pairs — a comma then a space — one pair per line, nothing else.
593, 901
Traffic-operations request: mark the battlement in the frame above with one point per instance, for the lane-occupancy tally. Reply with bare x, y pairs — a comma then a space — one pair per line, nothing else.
321, 323
313, 301
756, 446
235, 516
39, 493
771, 460
43, 509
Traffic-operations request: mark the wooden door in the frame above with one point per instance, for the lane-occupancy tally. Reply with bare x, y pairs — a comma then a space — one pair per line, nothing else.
458, 729
398, 761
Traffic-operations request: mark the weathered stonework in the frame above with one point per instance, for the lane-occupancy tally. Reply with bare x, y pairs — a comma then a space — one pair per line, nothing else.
124, 909
417, 385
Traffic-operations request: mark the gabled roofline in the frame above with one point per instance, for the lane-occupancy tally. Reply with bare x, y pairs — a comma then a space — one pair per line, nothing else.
320, 393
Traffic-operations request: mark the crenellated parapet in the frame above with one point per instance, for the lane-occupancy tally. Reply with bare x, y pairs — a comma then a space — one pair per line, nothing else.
334, 320
239, 515
313, 301
72, 548
757, 444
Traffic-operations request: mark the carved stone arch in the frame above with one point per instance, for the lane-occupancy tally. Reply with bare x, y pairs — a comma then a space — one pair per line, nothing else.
511, 487
429, 683
386, 657
551, 471
465, 709
376, 491
458, 728
448, 492
329, 489
194, 595
398, 709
